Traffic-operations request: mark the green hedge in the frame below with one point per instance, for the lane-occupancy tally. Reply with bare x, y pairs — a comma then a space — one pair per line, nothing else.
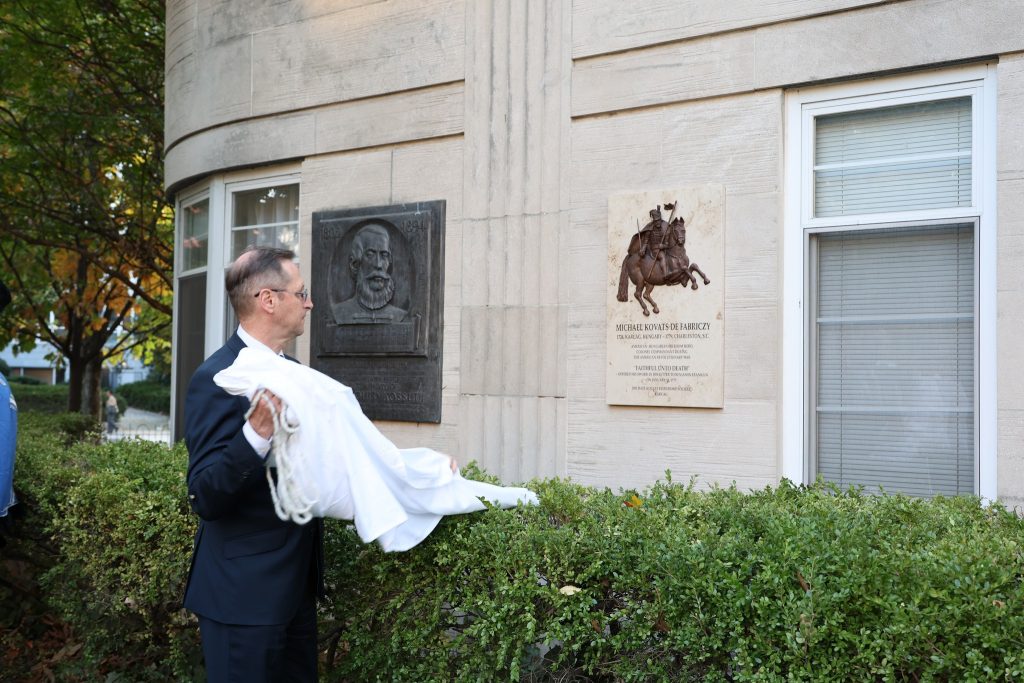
41, 398
121, 533
783, 584
670, 583
51, 398
152, 396
25, 379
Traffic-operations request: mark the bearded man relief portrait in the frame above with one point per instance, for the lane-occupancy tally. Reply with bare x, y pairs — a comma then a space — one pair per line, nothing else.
371, 266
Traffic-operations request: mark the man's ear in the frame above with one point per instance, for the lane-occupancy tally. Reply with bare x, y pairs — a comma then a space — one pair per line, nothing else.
266, 301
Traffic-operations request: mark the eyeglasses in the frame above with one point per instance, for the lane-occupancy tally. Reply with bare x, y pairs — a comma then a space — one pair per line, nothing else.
303, 295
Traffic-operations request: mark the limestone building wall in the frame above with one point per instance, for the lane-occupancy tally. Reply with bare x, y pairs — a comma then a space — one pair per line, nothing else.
1010, 280
525, 115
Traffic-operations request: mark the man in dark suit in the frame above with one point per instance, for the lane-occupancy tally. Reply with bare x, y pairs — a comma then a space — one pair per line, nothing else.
254, 579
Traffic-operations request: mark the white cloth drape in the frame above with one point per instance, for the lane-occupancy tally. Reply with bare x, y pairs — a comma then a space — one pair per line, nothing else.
344, 468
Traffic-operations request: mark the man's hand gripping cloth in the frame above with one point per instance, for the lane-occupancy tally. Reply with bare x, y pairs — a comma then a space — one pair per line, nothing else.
332, 462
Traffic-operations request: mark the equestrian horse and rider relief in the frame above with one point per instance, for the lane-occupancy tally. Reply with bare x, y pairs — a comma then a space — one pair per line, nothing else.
665, 301
657, 256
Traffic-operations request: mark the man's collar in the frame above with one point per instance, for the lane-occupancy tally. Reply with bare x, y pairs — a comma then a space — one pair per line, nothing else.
252, 342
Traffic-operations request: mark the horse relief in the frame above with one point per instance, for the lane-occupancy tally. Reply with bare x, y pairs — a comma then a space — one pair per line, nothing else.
657, 256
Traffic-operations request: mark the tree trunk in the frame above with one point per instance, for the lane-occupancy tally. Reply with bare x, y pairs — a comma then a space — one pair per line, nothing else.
84, 393
76, 374
92, 399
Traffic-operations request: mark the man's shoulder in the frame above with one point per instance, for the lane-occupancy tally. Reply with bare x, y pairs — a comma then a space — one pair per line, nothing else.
205, 402
218, 360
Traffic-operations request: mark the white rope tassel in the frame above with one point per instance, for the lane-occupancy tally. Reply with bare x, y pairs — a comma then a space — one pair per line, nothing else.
289, 503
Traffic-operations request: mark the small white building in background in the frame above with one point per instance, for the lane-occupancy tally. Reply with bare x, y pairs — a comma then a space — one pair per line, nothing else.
34, 364
862, 148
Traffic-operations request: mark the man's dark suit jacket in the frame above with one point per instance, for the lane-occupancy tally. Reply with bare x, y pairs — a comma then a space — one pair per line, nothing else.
248, 567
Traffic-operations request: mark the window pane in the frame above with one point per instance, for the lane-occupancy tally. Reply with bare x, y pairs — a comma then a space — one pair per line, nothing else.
903, 158
268, 216
191, 293
195, 231
895, 359
286, 237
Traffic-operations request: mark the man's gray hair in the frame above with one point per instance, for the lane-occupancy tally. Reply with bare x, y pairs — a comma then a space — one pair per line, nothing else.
249, 274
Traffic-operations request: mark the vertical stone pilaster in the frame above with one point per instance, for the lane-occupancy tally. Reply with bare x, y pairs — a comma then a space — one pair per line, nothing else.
513, 380
1010, 281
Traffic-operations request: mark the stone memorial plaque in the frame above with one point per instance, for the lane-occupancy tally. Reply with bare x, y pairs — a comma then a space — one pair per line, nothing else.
666, 261
378, 278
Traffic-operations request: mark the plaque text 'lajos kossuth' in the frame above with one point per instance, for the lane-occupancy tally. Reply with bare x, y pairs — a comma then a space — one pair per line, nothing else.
665, 298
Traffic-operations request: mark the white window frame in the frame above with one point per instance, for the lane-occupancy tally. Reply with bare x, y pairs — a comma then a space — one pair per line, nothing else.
189, 196
801, 106
217, 332
218, 189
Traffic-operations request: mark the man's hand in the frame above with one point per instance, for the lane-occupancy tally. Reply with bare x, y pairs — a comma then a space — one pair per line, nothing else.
262, 419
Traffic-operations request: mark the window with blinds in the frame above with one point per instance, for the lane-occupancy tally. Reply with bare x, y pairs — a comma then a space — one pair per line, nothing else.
898, 158
894, 339
890, 209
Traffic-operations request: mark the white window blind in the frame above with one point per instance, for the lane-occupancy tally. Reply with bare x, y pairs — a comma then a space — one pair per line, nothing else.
899, 158
895, 387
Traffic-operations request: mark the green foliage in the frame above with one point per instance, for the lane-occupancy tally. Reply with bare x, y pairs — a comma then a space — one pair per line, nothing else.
87, 244
669, 583
160, 372
147, 395
785, 583
43, 398
132, 498
35, 397
117, 515
25, 379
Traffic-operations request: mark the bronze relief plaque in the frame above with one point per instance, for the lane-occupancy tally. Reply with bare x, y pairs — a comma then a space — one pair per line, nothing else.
665, 299
378, 278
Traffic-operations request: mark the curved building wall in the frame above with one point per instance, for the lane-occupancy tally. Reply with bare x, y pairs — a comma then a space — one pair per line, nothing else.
251, 84
525, 117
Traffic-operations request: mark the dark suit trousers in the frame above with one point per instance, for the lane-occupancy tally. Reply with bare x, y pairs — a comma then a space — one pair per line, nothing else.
280, 653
